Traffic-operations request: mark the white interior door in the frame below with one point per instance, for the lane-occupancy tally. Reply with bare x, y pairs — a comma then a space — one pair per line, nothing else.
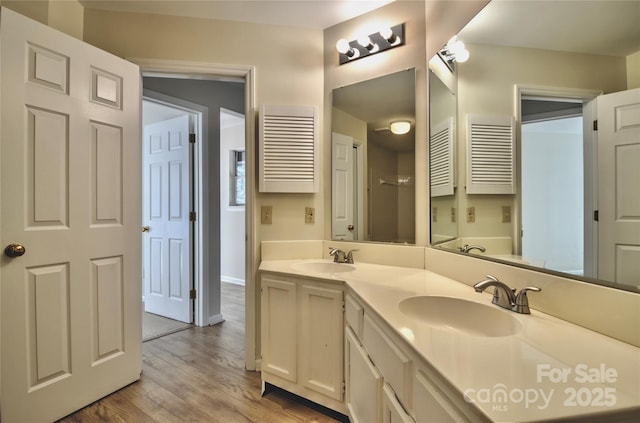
167, 242
342, 191
618, 181
69, 172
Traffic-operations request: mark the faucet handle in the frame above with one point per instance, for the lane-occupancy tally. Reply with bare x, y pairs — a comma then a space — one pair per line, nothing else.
338, 254
349, 258
522, 302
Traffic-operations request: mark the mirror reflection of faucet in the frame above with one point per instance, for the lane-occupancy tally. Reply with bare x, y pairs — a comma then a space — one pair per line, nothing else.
468, 248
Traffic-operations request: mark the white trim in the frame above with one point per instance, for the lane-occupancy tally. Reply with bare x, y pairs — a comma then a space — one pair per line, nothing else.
214, 320
201, 307
230, 279
247, 74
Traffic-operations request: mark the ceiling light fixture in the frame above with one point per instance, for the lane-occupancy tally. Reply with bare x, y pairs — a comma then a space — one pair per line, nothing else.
400, 127
366, 45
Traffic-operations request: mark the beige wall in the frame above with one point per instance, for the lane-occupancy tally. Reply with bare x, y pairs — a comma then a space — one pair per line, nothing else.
64, 15
486, 86
633, 71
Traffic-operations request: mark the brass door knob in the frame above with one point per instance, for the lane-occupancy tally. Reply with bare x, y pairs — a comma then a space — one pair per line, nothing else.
14, 250
146, 229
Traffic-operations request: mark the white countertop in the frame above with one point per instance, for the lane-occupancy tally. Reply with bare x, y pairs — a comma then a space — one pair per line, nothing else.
549, 369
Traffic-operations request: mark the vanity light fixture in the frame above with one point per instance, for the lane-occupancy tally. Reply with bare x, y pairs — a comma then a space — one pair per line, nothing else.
366, 45
454, 51
400, 127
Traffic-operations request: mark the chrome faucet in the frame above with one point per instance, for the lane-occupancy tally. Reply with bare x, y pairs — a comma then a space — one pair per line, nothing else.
506, 297
468, 248
340, 256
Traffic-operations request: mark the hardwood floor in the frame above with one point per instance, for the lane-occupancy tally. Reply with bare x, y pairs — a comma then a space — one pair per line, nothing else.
197, 375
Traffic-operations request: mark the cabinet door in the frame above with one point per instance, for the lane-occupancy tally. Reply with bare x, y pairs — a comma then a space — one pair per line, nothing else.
279, 328
392, 411
321, 332
431, 405
363, 383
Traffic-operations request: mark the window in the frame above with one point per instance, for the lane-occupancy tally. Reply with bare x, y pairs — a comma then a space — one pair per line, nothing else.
236, 189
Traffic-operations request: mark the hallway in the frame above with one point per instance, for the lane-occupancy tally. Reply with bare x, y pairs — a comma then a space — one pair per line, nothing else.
197, 375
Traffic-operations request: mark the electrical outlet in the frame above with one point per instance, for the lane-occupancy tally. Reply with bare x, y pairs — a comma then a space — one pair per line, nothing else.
454, 216
309, 215
506, 214
266, 215
434, 214
471, 214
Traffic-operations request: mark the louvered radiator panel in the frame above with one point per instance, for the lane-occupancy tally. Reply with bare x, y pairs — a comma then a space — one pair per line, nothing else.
490, 155
288, 138
442, 167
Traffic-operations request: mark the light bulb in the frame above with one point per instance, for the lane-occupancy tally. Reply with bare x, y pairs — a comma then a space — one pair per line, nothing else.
462, 56
365, 42
343, 46
388, 34
456, 47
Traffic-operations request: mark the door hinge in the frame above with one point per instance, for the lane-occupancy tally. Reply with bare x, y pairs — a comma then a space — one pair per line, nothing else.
192, 138
192, 216
344, 387
596, 215
344, 308
595, 125
192, 294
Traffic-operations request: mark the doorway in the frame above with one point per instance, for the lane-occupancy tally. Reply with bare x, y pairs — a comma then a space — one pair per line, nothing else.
210, 95
552, 197
170, 242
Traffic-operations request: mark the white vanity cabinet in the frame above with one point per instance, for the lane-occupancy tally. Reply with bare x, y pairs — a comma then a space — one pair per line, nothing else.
302, 337
384, 374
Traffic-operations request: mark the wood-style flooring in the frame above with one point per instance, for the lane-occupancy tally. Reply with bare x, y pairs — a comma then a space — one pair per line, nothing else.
198, 375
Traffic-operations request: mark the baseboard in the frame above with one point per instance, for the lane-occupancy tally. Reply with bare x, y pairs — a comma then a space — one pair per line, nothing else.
215, 319
230, 279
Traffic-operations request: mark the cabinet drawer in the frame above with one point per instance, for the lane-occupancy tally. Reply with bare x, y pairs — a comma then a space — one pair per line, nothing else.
394, 364
354, 314
431, 405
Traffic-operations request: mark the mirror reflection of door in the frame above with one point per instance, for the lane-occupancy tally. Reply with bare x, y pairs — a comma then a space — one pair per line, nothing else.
347, 188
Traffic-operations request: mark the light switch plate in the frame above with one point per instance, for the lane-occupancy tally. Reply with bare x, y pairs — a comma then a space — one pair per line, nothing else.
266, 215
471, 214
506, 214
309, 215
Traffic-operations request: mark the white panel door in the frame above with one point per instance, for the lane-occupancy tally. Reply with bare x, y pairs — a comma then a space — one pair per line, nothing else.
70, 195
167, 243
618, 181
342, 187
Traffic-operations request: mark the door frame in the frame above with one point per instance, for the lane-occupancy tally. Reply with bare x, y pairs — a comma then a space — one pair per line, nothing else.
198, 197
247, 74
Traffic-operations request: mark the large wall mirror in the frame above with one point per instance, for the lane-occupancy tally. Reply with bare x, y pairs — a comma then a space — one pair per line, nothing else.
373, 160
532, 183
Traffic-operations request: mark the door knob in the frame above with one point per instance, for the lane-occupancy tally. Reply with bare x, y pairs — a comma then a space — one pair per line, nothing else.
146, 229
350, 227
14, 250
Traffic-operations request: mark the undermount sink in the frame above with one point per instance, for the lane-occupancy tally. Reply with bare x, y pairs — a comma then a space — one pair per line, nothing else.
325, 267
460, 315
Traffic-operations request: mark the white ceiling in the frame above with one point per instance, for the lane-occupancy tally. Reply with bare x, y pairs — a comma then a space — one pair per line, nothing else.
315, 14
608, 27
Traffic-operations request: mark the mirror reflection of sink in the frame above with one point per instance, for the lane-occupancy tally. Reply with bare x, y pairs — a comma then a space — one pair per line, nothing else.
325, 267
460, 315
